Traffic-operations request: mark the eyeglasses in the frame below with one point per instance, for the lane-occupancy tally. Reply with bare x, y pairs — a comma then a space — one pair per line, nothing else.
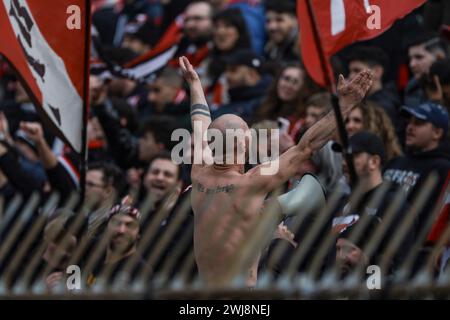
291, 80
196, 18
91, 184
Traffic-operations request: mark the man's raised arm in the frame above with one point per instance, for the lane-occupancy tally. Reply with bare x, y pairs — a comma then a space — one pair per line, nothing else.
350, 93
199, 107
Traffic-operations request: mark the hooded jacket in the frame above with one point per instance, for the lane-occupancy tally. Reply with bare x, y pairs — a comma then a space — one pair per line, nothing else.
410, 172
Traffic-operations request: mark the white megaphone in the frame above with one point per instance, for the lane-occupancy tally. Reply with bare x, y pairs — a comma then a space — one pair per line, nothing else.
307, 196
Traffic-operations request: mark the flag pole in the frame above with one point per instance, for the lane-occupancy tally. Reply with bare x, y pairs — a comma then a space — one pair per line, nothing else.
84, 145
335, 102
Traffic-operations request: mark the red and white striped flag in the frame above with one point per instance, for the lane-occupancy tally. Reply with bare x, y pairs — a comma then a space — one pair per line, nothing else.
145, 66
47, 43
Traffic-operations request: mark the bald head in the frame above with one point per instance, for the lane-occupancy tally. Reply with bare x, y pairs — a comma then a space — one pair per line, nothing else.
228, 135
228, 121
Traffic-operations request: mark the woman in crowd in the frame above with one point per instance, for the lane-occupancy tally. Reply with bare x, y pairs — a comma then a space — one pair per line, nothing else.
286, 97
371, 117
230, 34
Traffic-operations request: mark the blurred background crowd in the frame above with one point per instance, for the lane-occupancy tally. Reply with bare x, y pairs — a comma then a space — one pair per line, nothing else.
247, 53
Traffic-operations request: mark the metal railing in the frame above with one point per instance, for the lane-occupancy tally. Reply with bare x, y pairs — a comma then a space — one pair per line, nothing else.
23, 243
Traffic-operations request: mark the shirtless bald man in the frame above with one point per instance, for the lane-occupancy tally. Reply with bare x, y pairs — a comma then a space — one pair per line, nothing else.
226, 190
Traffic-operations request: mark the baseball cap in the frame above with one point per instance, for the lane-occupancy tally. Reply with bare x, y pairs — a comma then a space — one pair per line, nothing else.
364, 141
429, 112
245, 57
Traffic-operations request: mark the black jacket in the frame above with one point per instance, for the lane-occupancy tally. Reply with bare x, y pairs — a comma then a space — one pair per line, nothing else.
389, 100
245, 100
414, 94
122, 144
410, 172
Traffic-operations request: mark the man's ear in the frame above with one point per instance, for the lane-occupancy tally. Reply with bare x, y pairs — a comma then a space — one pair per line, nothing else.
378, 72
253, 76
109, 189
440, 55
438, 133
375, 162
123, 122
179, 186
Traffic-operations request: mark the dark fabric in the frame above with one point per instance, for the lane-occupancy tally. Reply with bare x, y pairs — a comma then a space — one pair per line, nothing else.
410, 172
184, 230
124, 147
116, 269
180, 112
288, 51
21, 176
137, 98
106, 19
61, 181
389, 100
363, 208
414, 94
276, 267
245, 100
16, 112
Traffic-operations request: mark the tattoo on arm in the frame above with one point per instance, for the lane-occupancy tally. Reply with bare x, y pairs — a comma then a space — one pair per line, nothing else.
200, 109
320, 133
201, 113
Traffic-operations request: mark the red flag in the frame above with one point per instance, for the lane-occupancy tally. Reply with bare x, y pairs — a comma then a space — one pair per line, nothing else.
443, 219
340, 23
47, 43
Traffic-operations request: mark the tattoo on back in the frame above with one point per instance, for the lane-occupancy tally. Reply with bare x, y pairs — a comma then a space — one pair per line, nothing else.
227, 189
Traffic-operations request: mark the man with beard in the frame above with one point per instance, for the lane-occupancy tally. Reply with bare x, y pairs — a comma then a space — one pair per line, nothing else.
282, 31
162, 178
123, 232
162, 182
368, 157
426, 132
197, 31
198, 22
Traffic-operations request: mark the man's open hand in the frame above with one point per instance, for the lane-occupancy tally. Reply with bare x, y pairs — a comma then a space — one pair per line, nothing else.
352, 92
282, 232
189, 74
